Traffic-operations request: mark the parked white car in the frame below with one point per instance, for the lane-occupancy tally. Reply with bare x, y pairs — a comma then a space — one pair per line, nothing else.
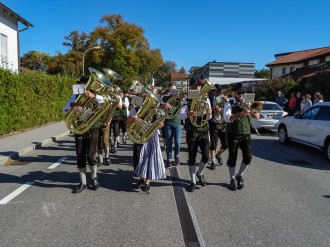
270, 115
311, 128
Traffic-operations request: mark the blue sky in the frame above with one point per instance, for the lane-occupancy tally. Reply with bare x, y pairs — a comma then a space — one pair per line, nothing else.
188, 32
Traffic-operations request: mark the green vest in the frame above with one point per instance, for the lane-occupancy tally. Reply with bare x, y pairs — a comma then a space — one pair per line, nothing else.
240, 126
191, 127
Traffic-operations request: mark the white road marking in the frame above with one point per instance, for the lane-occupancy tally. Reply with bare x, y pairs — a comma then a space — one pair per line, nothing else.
16, 193
28, 184
53, 166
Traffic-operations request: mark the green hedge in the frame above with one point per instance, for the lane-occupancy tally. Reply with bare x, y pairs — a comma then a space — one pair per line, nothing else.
31, 99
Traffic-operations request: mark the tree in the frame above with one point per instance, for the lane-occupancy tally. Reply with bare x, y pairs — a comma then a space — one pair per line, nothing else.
182, 70
263, 73
36, 60
193, 69
163, 74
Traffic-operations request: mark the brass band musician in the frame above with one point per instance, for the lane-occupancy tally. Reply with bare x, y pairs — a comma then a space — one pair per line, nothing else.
238, 136
217, 126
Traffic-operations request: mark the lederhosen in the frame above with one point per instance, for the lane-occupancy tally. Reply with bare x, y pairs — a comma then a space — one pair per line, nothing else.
238, 135
196, 137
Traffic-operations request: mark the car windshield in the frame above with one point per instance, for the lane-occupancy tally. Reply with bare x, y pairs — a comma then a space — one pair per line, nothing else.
271, 107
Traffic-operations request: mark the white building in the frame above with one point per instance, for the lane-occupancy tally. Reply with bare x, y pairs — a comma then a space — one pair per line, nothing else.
9, 38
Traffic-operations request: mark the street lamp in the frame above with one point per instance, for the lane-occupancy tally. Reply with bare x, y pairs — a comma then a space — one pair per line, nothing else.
83, 68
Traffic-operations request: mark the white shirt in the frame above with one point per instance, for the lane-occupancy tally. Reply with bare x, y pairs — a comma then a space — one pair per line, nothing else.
228, 111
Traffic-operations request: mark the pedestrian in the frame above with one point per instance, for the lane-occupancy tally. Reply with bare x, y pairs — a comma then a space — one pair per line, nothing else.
172, 129
292, 104
306, 102
298, 102
217, 126
86, 144
238, 136
196, 136
316, 97
281, 100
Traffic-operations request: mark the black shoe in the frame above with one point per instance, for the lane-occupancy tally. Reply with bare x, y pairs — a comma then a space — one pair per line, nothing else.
106, 161
201, 179
168, 164
115, 150
99, 164
145, 187
95, 184
232, 185
112, 150
212, 166
140, 183
177, 161
191, 187
240, 182
219, 159
79, 188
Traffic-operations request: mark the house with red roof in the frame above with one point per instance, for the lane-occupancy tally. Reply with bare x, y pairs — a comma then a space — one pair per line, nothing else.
300, 64
180, 79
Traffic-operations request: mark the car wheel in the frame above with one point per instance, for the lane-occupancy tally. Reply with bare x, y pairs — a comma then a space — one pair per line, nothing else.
283, 135
327, 150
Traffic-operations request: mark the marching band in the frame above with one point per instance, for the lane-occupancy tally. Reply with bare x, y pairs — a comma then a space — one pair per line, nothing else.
103, 106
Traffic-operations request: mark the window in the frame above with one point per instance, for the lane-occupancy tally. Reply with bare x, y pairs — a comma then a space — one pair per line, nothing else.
310, 113
323, 114
292, 69
3, 49
283, 71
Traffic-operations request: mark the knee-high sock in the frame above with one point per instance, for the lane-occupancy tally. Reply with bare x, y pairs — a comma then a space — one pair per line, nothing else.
106, 152
125, 135
93, 171
201, 168
82, 175
101, 157
242, 169
192, 171
231, 172
116, 141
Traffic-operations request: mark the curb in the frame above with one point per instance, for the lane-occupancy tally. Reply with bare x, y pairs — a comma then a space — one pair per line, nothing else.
14, 155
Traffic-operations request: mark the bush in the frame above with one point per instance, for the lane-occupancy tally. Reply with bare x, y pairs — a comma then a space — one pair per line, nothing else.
31, 100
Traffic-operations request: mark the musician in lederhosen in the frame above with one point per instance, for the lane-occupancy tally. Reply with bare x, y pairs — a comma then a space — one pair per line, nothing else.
114, 126
217, 126
238, 136
123, 114
195, 137
86, 144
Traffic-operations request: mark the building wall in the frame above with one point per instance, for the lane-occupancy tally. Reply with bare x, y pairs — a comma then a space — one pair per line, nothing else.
8, 28
216, 71
277, 71
327, 58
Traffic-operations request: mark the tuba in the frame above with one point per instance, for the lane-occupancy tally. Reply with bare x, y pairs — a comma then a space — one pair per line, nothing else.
151, 116
175, 102
200, 105
113, 95
79, 122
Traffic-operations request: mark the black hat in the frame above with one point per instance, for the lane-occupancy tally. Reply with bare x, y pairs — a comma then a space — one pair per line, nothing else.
193, 82
217, 87
238, 87
83, 79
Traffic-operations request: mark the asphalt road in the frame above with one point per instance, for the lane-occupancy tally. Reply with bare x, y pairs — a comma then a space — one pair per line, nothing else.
286, 202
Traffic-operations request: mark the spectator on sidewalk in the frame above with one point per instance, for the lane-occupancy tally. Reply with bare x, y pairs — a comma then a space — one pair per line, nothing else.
306, 102
281, 100
292, 104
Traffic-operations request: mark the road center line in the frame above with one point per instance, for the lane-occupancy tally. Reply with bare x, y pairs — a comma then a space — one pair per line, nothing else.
53, 166
16, 193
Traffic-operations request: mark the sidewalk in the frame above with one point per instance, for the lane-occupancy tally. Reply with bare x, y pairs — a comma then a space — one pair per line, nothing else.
19, 144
